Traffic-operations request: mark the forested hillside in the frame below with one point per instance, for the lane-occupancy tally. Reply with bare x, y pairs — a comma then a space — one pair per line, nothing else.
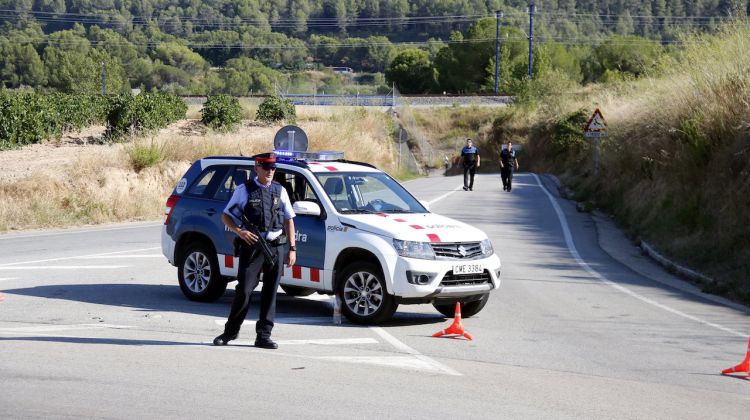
251, 46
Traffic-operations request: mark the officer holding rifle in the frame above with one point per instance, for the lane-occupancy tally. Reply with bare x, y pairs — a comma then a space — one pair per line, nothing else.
261, 215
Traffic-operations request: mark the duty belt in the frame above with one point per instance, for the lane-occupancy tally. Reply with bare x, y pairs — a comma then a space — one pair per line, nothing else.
281, 240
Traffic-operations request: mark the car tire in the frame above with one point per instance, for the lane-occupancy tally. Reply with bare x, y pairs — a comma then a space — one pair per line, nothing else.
198, 274
468, 309
296, 290
363, 294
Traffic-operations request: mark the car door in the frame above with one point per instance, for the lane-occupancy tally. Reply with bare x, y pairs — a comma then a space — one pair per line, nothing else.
310, 233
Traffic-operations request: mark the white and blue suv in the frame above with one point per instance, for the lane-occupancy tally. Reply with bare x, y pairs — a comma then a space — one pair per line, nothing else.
360, 235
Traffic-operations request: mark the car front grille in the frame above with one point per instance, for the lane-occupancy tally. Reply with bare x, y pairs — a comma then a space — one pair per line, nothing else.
451, 279
457, 251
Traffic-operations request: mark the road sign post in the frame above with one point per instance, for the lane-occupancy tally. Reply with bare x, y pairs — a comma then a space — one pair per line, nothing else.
595, 129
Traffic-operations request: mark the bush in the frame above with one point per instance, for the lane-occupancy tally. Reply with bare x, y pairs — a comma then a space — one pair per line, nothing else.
25, 118
145, 155
274, 109
129, 114
221, 113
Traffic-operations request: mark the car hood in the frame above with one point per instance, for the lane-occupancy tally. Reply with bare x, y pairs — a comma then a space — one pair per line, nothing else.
422, 227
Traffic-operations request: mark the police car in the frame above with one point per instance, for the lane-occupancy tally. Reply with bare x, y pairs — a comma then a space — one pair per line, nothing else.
359, 233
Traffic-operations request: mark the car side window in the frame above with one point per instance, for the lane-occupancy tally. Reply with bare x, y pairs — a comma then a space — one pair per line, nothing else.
296, 186
206, 181
235, 177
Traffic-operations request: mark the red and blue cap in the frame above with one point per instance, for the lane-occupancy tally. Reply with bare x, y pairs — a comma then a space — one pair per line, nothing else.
266, 160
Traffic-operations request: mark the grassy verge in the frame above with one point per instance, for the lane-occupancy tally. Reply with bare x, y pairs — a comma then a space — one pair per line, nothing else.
675, 169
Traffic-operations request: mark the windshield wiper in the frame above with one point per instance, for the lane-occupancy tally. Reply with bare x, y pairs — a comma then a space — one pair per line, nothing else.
357, 211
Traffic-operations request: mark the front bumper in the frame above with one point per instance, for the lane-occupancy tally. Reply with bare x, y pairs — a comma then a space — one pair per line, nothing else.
442, 283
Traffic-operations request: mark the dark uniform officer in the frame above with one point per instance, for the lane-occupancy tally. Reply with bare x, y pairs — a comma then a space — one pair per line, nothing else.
266, 205
508, 164
470, 159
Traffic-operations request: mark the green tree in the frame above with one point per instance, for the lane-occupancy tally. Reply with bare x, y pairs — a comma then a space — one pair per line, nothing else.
412, 72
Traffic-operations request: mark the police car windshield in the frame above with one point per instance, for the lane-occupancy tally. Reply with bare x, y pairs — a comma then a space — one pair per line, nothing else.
367, 192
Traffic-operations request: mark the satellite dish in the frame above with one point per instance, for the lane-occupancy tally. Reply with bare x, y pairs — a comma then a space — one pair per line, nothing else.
290, 138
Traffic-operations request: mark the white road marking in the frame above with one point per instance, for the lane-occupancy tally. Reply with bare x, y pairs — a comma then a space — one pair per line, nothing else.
68, 232
42, 329
107, 257
64, 267
319, 341
435, 200
401, 362
435, 365
79, 256
574, 252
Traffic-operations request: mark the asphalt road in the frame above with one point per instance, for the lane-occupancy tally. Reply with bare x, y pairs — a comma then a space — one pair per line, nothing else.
93, 324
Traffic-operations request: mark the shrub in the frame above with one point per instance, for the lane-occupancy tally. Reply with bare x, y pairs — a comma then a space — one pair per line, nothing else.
145, 155
274, 109
221, 112
129, 114
25, 118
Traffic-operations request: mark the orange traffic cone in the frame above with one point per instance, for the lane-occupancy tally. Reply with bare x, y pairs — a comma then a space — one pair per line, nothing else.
456, 327
742, 367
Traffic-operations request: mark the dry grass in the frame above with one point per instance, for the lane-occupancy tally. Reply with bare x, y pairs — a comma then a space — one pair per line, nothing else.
104, 184
676, 164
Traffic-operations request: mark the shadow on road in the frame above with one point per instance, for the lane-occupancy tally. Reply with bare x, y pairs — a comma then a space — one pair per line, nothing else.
106, 341
165, 298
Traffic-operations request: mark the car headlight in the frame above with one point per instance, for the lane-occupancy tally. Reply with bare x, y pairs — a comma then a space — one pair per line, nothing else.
411, 249
486, 247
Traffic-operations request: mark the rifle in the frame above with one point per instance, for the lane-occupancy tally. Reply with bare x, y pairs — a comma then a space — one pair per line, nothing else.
262, 243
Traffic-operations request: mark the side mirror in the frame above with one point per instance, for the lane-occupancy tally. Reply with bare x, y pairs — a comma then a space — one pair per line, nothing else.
306, 208
425, 204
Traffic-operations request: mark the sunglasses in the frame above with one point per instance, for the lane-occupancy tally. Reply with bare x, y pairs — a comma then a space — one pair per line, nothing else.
267, 167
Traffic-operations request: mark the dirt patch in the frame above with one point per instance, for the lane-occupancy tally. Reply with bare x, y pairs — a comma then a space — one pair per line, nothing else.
49, 157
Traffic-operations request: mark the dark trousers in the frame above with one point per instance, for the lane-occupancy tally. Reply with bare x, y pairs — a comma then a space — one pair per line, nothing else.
469, 171
251, 265
506, 174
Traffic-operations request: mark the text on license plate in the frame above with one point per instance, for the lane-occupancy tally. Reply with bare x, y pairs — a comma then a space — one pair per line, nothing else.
467, 269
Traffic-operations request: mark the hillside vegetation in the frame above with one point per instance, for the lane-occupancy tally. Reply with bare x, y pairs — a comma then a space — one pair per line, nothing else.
247, 47
675, 169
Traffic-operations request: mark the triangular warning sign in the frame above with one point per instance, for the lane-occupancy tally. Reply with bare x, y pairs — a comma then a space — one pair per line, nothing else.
596, 122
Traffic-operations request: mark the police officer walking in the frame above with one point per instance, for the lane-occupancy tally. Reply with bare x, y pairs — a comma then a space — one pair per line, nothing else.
470, 159
265, 204
508, 164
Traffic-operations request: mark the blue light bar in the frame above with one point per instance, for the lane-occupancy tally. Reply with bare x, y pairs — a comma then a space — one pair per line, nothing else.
325, 155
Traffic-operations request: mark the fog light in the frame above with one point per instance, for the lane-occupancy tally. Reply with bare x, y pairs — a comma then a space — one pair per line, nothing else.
419, 278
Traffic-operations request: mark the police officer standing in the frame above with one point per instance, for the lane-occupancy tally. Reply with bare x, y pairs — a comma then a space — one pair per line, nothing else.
470, 159
265, 204
508, 164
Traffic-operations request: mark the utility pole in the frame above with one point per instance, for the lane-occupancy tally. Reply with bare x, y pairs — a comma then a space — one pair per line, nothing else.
104, 79
498, 15
532, 8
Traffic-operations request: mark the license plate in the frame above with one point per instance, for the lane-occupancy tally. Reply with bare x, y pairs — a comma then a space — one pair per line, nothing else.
467, 269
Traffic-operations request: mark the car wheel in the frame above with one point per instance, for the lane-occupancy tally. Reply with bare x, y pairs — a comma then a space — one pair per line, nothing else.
468, 309
296, 290
364, 298
199, 275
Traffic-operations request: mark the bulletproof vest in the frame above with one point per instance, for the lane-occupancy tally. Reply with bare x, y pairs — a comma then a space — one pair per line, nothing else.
508, 158
263, 208
469, 154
